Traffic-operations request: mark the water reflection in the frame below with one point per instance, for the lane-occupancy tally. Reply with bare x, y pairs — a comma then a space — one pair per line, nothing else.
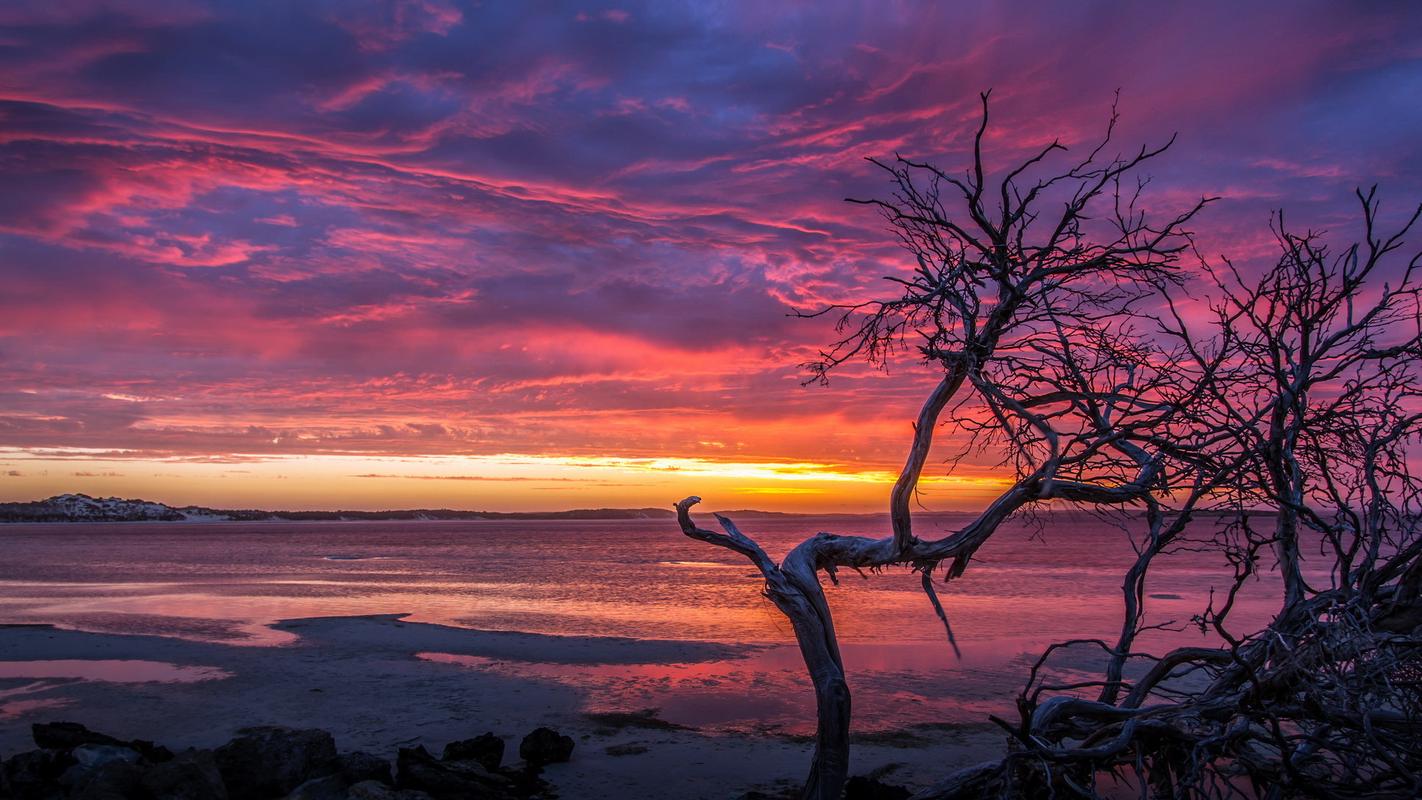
767, 691
47, 674
637, 578
111, 670
641, 579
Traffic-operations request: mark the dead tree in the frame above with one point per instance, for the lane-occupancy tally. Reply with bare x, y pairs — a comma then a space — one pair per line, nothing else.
1314, 410
1015, 275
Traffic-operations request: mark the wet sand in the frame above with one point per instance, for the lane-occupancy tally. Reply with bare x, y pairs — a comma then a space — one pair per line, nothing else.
380, 682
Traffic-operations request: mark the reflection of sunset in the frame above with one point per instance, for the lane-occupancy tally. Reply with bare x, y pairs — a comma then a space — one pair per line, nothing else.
228, 584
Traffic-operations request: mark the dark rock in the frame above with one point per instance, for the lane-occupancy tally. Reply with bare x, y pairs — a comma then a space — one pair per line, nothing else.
487, 749
626, 749
375, 790
270, 761
189, 775
545, 746
861, 787
357, 767
35, 774
417, 769
109, 780
67, 736
92, 756
152, 753
329, 787
102, 770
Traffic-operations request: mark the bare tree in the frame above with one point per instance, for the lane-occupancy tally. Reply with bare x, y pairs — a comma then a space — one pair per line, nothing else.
1285, 425
1313, 401
1024, 298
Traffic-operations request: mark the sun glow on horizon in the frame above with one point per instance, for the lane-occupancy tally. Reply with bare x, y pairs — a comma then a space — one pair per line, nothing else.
502, 482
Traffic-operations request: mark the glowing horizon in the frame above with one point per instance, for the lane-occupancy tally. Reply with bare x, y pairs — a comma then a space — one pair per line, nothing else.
407, 253
504, 482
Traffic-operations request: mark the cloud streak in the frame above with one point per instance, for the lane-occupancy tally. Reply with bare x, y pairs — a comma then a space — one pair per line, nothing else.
423, 228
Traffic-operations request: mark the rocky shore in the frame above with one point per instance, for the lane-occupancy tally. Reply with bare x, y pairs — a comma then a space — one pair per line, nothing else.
273, 762
277, 763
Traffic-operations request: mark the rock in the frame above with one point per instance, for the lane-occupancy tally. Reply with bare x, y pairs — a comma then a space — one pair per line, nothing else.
109, 780
357, 767
487, 749
545, 746
861, 787
375, 790
102, 770
269, 762
92, 756
35, 774
152, 753
67, 736
455, 780
329, 787
189, 775
625, 749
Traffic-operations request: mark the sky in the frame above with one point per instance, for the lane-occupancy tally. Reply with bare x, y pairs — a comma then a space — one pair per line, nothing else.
514, 256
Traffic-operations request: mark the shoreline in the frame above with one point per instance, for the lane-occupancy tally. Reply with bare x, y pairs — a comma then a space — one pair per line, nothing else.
363, 678
411, 520
79, 507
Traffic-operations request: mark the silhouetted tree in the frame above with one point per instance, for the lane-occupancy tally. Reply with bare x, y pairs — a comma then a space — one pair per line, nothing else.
1049, 305
1313, 413
1037, 276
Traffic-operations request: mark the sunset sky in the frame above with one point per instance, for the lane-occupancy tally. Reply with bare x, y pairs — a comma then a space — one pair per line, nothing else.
539, 255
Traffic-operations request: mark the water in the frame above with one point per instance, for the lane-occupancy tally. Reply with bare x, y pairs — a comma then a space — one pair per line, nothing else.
110, 670
228, 582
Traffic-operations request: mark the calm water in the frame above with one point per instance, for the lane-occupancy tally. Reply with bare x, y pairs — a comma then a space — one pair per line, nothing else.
228, 581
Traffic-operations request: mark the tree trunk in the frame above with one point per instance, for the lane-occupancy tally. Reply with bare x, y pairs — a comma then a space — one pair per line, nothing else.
830, 768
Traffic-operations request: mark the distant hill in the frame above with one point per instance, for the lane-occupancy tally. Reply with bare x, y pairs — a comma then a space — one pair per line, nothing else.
83, 508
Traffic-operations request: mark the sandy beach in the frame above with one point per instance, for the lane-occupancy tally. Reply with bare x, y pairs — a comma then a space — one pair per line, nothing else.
370, 682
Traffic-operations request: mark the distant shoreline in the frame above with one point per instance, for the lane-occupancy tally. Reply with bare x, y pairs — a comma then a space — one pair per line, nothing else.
71, 508
78, 508
376, 516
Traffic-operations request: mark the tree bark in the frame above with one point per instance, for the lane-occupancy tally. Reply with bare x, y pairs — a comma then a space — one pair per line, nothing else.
794, 588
